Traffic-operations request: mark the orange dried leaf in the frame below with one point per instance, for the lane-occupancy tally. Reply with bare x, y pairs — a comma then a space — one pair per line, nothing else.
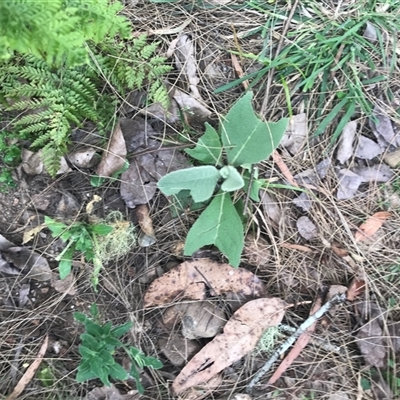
241, 334
371, 225
190, 280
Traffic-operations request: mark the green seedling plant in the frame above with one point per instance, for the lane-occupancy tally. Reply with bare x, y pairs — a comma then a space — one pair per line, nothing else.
99, 345
227, 156
79, 237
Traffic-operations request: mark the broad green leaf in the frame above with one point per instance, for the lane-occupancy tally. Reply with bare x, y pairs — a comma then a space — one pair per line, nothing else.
218, 224
89, 341
46, 377
117, 372
101, 370
80, 317
135, 374
65, 265
118, 331
200, 181
94, 310
56, 227
233, 180
256, 184
86, 353
152, 362
100, 229
245, 137
85, 373
208, 149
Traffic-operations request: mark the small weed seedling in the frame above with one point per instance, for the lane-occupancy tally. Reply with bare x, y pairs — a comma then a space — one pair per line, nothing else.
99, 344
243, 139
79, 237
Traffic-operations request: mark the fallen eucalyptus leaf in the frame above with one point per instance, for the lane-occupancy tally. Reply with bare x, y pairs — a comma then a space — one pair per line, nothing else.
306, 228
367, 149
241, 334
346, 142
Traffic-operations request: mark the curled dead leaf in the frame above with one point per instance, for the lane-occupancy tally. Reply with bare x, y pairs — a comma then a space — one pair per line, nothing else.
114, 156
241, 334
190, 279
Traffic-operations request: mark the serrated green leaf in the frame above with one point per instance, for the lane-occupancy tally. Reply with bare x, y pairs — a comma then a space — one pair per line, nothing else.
208, 149
233, 180
201, 182
245, 137
218, 224
100, 229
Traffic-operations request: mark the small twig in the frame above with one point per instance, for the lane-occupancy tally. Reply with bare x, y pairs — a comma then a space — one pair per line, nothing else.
339, 298
326, 346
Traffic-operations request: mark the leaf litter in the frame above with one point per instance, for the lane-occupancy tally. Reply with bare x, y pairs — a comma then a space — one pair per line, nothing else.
240, 335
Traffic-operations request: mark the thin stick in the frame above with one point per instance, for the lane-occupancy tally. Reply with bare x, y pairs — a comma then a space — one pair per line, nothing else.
30, 372
339, 298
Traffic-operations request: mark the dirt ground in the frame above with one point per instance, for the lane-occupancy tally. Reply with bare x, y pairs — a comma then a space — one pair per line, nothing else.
339, 362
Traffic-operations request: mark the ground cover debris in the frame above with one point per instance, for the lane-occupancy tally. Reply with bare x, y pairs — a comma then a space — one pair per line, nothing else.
199, 200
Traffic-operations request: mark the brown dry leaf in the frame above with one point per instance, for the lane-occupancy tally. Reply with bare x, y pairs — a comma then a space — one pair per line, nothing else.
177, 348
306, 228
204, 391
346, 148
114, 156
30, 263
192, 109
356, 287
202, 319
376, 173
66, 285
367, 149
278, 160
189, 280
111, 393
241, 334
30, 372
295, 136
186, 63
382, 128
256, 251
147, 236
349, 182
150, 162
371, 225
392, 159
296, 247
272, 209
29, 235
371, 341
84, 158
